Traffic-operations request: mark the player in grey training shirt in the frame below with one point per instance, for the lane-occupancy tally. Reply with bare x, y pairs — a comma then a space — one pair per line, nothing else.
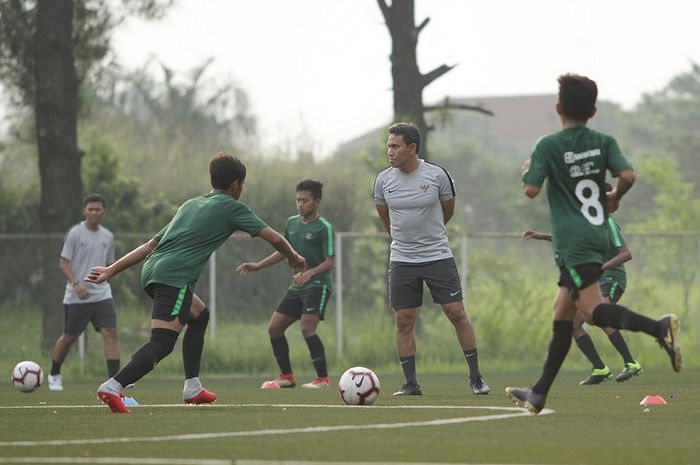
86, 244
415, 199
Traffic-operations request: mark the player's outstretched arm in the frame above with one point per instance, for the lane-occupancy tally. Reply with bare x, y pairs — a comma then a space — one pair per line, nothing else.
623, 255
272, 259
530, 234
280, 244
99, 274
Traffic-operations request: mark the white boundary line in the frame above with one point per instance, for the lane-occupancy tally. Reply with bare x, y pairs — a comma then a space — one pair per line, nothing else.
514, 412
171, 461
217, 405
120, 460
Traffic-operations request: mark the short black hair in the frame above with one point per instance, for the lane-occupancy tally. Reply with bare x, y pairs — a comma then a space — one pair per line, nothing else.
315, 187
607, 186
224, 169
577, 96
95, 197
409, 131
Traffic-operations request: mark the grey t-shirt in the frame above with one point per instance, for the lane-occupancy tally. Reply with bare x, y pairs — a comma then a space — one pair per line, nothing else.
415, 210
84, 249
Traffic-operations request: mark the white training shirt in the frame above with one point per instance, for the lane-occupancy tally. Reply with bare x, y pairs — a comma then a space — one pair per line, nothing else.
84, 249
417, 221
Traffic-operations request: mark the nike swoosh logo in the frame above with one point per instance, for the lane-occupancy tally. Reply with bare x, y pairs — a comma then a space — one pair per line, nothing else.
452, 294
362, 379
404, 362
391, 191
310, 309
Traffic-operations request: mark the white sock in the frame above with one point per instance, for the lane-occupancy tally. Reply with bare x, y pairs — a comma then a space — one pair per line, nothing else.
112, 386
192, 386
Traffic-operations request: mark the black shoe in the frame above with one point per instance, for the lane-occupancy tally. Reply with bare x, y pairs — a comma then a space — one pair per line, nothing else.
479, 386
409, 389
524, 397
598, 375
630, 370
670, 339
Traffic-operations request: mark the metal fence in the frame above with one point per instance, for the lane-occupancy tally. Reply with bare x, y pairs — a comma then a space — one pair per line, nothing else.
663, 275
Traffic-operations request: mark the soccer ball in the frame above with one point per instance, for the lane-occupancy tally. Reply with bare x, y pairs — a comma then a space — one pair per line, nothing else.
27, 376
359, 386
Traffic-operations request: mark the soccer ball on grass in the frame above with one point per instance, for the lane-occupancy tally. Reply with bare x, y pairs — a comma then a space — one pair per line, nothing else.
359, 386
27, 376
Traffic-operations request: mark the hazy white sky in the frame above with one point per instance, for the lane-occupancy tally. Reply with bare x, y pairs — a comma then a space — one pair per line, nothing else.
318, 71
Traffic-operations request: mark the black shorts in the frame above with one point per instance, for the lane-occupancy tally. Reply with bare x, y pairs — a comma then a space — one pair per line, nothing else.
101, 314
170, 302
579, 277
406, 283
310, 301
612, 289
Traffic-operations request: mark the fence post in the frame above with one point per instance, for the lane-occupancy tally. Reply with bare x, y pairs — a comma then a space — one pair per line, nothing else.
212, 296
464, 267
339, 294
81, 352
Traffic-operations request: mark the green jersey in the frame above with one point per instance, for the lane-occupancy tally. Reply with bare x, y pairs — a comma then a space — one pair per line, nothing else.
616, 241
314, 241
198, 228
574, 162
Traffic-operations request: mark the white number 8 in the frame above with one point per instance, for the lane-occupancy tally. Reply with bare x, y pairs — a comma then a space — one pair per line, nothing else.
590, 202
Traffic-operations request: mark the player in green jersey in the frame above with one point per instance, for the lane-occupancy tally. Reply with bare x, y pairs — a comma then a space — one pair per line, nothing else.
612, 285
574, 161
174, 259
306, 299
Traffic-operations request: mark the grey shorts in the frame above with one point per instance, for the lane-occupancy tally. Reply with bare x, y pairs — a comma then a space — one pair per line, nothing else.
406, 283
101, 314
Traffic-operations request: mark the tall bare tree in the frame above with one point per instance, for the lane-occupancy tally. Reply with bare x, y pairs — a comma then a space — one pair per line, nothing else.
408, 81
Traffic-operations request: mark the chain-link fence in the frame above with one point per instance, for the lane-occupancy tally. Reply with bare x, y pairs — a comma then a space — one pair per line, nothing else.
510, 282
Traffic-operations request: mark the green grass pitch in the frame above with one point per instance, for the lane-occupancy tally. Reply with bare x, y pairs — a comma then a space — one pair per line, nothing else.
589, 424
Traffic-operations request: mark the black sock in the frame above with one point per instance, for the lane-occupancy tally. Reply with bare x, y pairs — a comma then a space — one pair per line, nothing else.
585, 344
558, 348
112, 366
619, 317
318, 354
619, 342
193, 344
55, 367
473, 362
280, 348
408, 364
145, 359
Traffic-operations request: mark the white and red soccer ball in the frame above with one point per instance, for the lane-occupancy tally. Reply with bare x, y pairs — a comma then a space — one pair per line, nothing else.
359, 386
27, 376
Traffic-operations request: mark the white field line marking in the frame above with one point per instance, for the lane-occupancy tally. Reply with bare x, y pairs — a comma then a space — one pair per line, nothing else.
217, 405
117, 460
170, 461
515, 412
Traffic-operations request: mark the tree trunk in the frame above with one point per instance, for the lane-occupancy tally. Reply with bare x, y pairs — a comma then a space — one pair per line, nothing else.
59, 159
407, 79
